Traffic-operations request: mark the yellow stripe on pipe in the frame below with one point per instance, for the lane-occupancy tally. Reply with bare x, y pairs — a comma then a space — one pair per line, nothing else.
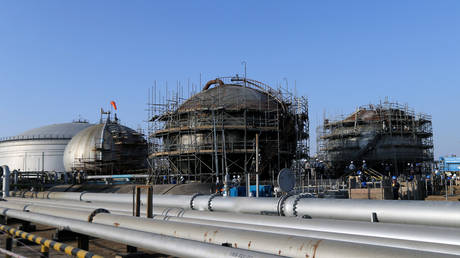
47, 243
81, 254
57, 246
68, 250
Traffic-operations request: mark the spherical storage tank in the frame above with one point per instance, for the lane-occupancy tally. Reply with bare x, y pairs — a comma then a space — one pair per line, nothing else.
39, 149
106, 148
215, 131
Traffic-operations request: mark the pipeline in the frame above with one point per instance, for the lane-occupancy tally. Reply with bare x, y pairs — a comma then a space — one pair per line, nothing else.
6, 181
420, 233
211, 82
237, 232
61, 247
149, 241
403, 211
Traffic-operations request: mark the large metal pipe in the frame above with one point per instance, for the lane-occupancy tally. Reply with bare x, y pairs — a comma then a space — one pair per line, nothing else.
332, 229
260, 238
407, 212
371, 240
6, 181
442, 235
149, 241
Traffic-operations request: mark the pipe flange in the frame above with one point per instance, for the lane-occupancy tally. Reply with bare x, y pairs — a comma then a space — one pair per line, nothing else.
192, 199
95, 212
81, 195
281, 201
210, 200
297, 199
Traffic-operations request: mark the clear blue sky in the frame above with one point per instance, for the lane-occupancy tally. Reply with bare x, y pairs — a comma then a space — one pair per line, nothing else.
62, 59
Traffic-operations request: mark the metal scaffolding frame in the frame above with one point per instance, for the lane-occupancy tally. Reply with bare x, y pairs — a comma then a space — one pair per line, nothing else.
386, 134
206, 141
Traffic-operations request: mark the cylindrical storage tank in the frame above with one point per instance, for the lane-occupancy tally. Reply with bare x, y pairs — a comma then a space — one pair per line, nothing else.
106, 148
39, 149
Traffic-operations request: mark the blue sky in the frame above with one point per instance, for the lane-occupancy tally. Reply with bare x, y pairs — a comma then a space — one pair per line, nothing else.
62, 59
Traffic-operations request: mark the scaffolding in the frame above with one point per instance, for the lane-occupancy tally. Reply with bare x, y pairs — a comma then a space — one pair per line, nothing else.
212, 132
390, 137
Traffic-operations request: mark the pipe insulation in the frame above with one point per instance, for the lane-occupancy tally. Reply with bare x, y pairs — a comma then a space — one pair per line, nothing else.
149, 241
386, 211
161, 243
445, 243
5, 181
441, 235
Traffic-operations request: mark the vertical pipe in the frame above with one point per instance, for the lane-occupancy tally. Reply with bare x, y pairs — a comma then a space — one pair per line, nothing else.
138, 202
224, 163
45, 251
215, 146
8, 245
6, 181
257, 165
150, 202
83, 242
43, 161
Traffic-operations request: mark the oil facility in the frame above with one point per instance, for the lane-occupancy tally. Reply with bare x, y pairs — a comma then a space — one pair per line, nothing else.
39, 149
128, 194
107, 148
219, 130
389, 137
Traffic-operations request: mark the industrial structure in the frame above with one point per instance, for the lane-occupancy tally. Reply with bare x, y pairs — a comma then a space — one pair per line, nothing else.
105, 149
216, 132
390, 137
39, 149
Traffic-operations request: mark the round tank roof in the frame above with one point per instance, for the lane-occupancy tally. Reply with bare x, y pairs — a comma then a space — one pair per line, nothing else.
230, 97
64, 130
53, 131
110, 142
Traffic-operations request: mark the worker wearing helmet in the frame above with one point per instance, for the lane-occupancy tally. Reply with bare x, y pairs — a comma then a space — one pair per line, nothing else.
352, 167
364, 165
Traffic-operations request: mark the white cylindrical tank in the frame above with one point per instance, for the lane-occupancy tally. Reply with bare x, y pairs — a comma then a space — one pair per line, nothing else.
39, 149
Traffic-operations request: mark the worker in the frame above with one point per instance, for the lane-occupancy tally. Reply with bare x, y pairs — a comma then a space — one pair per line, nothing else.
234, 181
352, 167
364, 165
395, 187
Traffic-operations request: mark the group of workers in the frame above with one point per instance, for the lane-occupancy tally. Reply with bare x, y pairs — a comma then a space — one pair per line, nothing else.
363, 178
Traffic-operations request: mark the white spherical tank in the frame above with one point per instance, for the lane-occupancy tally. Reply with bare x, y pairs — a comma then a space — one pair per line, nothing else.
39, 149
106, 148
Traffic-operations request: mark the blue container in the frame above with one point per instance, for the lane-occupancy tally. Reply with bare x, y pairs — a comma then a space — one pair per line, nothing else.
449, 164
264, 191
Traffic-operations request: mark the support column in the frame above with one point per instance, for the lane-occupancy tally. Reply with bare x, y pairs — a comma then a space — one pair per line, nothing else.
257, 165
9, 244
45, 251
83, 242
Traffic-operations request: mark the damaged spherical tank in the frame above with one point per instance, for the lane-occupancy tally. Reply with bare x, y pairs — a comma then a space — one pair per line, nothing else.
215, 131
106, 148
